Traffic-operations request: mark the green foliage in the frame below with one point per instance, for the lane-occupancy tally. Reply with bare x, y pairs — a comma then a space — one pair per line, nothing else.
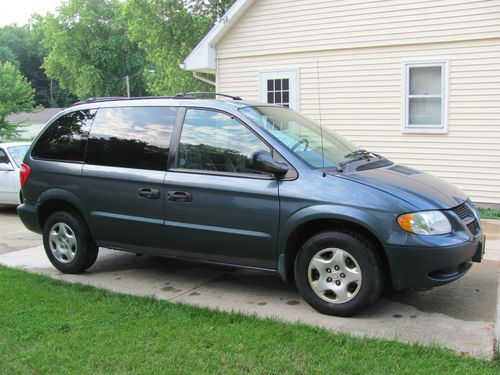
172, 32
489, 213
51, 327
6, 54
16, 95
22, 46
90, 54
214, 9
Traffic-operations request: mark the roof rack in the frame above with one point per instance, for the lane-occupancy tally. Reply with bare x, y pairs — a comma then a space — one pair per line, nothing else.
192, 95
184, 95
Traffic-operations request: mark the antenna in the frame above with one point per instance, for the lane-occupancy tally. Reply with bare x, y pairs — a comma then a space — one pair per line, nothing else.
320, 122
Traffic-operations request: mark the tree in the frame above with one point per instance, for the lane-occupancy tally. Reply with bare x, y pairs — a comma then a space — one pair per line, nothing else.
90, 54
16, 95
214, 9
22, 46
6, 54
173, 30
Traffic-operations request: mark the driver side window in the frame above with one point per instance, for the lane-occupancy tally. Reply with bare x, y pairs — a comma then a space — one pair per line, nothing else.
214, 141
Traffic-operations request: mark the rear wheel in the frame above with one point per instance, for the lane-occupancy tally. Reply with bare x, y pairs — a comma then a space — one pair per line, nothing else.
338, 273
68, 242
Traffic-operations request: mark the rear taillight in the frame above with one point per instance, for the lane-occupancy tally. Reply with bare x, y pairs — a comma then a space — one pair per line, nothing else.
24, 173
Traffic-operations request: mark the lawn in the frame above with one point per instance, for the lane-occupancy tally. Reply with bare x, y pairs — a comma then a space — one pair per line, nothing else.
50, 327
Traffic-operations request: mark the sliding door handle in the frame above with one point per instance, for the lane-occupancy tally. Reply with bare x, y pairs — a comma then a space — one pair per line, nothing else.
179, 196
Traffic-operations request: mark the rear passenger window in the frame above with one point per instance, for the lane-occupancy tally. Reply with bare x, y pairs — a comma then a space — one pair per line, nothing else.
132, 137
65, 138
214, 141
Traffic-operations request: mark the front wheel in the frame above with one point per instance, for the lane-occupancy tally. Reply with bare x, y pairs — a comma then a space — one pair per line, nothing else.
338, 273
68, 242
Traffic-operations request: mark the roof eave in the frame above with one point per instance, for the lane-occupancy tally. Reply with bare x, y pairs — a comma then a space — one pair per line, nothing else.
203, 58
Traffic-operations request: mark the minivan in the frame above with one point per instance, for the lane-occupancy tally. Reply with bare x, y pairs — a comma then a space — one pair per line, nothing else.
244, 184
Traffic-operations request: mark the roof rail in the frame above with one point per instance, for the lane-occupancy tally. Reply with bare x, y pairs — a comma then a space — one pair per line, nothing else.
192, 95
186, 95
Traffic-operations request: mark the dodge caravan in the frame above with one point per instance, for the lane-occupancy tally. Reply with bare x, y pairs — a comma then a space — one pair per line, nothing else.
245, 184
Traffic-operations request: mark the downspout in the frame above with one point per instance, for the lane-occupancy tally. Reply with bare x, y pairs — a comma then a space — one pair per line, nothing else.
201, 78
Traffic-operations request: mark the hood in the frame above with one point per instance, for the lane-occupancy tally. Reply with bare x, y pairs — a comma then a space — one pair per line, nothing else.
420, 189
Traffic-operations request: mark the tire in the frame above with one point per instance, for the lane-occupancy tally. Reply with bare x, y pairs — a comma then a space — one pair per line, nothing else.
68, 242
338, 261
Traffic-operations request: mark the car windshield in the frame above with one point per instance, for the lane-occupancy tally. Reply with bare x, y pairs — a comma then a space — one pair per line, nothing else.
17, 153
301, 135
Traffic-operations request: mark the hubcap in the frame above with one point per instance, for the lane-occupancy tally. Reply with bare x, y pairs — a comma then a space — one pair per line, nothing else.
62, 241
334, 275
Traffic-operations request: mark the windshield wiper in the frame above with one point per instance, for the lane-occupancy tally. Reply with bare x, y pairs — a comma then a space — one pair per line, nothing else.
356, 156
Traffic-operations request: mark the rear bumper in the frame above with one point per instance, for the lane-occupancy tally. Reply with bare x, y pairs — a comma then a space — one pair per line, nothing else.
427, 267
28, 213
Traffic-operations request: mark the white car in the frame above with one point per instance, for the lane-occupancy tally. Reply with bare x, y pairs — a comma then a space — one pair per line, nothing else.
11, 157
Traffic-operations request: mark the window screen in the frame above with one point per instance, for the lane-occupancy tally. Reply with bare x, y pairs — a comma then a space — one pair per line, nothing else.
132, 137
425, 96
65, 138
213, 141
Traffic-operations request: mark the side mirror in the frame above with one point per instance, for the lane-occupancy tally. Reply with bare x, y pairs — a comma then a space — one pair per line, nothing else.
6, 167
263, 161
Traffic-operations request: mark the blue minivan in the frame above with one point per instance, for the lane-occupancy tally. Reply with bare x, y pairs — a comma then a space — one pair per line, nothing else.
245, 184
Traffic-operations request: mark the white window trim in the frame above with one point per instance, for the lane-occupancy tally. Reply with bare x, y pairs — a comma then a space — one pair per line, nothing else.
294, 80
425, 129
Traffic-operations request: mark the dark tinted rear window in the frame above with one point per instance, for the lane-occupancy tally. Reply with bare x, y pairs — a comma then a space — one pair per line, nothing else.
65, 138
132, 137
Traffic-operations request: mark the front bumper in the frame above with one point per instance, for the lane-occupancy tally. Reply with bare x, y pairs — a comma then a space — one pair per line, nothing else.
426, 267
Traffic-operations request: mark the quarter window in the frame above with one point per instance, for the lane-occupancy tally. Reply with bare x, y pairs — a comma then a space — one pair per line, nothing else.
65, 138
213, 141
425, 97
132, 137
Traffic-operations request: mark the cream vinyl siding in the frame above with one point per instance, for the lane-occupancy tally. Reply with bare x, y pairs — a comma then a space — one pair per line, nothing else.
284, 26
362, 88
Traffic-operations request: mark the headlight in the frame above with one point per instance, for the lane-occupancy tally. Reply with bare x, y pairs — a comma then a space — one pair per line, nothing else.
425, 222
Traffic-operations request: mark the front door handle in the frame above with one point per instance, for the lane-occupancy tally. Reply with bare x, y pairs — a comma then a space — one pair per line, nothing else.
179, 196
148, 193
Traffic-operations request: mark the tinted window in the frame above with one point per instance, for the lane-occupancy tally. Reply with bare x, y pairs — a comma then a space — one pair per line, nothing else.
132, 137
65, 138
213, 141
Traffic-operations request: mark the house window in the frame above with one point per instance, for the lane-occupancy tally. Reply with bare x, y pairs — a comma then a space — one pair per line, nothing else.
425, 97
279, 87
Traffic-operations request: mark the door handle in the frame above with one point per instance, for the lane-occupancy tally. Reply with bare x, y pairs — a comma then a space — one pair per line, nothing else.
148, 193
179, 196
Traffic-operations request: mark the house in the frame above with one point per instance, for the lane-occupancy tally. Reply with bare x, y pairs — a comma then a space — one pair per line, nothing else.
33, 122
417, 81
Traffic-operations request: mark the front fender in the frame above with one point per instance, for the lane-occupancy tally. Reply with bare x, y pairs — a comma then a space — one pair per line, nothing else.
379, 223
371, 220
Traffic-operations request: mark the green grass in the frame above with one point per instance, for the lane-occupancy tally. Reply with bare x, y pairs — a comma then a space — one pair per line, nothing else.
489, 213
50, 327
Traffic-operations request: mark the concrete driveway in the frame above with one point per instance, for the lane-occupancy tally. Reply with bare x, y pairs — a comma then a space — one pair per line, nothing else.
460, 316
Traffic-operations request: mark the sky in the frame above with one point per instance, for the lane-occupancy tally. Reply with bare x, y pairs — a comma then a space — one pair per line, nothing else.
20, 11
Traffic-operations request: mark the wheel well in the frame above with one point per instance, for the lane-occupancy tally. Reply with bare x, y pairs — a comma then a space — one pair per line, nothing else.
53, 205
305, 231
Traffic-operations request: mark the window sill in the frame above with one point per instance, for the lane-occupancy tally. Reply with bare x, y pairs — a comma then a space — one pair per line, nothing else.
425, 131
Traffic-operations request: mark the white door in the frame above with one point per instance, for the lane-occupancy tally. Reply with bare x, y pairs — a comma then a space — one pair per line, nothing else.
9, 190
